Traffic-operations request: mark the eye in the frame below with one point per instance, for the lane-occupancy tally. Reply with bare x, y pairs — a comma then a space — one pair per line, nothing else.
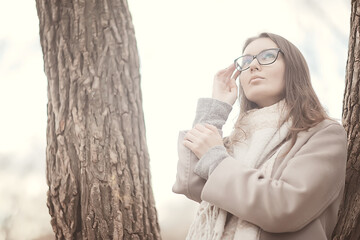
267, 56
246, 60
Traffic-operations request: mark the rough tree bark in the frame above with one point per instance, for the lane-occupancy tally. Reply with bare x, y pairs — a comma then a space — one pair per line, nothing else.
96, 155
348, 226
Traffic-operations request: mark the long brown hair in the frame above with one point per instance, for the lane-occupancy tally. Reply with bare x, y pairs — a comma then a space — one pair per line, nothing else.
304, 108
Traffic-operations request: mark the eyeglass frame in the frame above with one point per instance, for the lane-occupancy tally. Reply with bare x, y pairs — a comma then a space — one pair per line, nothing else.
255, 56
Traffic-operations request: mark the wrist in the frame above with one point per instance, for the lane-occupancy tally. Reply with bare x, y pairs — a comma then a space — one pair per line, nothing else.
224, 100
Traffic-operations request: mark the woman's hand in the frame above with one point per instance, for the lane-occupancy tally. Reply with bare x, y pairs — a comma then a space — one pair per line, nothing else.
201, 138
224, 86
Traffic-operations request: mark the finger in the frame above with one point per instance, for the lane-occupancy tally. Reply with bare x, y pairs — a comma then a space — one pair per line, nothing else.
188, 144
229, 71
230, 75
201, 128
190, 137
196, 133
192, 147
211, 127
236, 74
231, 68
232, 84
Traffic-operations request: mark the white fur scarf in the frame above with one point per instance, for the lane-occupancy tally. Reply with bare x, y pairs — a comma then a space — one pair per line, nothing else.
262, 135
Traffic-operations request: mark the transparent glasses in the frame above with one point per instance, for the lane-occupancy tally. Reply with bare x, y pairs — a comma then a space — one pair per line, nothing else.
265, 57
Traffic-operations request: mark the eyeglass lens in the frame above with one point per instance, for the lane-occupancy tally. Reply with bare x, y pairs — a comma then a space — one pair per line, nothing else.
265, 57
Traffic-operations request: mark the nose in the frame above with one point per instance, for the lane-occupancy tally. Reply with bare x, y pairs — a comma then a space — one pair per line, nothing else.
254, 65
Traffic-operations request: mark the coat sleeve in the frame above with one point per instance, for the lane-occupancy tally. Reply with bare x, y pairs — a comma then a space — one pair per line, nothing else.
310, 182
187, 181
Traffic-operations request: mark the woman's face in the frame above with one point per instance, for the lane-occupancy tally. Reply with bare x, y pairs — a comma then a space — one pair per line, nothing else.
263, 84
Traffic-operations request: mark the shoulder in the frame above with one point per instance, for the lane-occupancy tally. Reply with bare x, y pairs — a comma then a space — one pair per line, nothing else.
326, 127
328, 134
329, 122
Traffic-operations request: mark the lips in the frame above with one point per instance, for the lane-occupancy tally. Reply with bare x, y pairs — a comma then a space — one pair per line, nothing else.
255, 77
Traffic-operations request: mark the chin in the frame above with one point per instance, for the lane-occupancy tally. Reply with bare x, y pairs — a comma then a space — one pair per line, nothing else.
254, 100
260, 102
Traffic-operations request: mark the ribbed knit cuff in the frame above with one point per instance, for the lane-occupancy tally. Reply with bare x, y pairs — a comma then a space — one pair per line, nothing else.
212, 111
210, 160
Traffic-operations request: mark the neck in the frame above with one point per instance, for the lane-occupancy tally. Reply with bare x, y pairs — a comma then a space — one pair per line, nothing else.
267, 102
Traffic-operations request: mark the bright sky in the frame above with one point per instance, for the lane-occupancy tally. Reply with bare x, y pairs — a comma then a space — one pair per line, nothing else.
182, 44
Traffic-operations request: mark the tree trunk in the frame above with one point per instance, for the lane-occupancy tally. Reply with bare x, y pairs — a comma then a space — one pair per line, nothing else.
97, 158
348, 226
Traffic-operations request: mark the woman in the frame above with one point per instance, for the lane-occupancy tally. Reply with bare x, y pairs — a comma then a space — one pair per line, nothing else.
281, 172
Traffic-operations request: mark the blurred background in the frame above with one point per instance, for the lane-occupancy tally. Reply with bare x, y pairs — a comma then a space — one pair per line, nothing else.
181, 44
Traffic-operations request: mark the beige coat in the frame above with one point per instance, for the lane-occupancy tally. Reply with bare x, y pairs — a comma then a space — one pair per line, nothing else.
299, 202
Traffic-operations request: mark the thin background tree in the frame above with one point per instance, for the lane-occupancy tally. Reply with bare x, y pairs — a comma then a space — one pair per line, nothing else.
97, 158
348, 226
